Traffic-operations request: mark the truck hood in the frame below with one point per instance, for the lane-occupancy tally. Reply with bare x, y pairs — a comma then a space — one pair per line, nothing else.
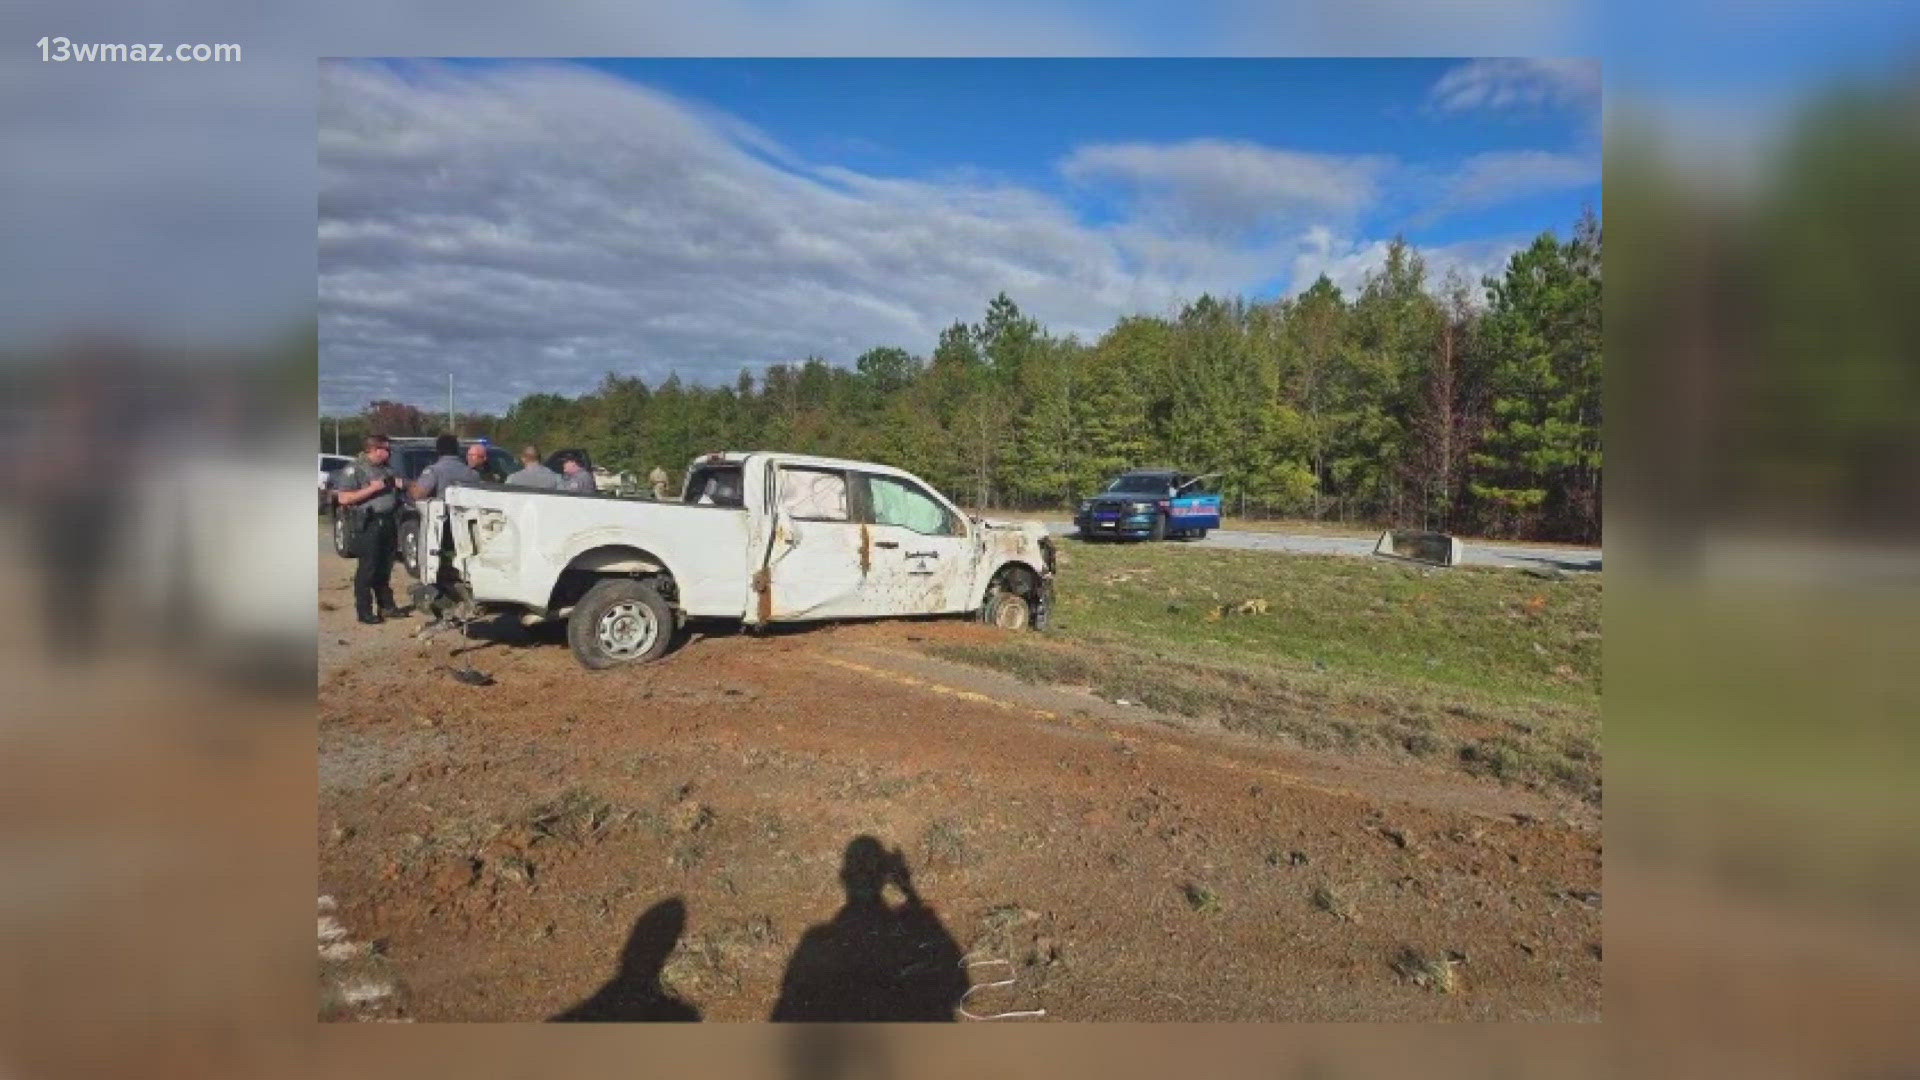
1015, 538
1032, 529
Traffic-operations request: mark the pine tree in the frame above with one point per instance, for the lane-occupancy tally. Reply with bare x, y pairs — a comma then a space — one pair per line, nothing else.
1539, 465
1393, 323
1114, 413
1316, 337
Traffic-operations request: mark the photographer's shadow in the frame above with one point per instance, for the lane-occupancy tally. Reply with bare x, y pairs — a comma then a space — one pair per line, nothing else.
634, 994
874, 961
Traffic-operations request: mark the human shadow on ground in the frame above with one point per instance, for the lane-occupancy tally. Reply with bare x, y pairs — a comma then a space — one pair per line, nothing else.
872, 960
837, 1052
634, 994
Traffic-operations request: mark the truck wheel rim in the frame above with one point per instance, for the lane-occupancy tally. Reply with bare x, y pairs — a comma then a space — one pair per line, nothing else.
627, 629
1011, 614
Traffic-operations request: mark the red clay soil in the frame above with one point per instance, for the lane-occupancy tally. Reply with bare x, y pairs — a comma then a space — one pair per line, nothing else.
657, 842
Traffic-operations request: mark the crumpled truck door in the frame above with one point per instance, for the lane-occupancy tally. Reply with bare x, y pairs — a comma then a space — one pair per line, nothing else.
814, 565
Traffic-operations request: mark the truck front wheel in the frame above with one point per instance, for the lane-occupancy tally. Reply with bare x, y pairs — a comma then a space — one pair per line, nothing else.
620, 621
1008, 611
1159, 527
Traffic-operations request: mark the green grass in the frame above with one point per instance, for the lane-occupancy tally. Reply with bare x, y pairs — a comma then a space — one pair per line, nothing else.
1493, 670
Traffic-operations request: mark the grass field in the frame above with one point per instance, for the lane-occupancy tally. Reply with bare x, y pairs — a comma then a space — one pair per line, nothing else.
1495, 670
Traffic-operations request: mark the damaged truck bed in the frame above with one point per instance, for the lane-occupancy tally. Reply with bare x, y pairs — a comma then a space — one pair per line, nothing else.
758, 537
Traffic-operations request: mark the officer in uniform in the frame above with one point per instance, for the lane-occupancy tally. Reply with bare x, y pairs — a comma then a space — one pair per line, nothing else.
370, 491
532, 474
446, 470
482, 466
577, 479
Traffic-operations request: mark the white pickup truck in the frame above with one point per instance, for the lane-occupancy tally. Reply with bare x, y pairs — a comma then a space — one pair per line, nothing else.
758, 537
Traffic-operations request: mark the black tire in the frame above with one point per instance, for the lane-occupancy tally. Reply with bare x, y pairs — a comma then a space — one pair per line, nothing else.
1159, 527
340, 535
409, 540
1008, 611
1199, 534
608, 614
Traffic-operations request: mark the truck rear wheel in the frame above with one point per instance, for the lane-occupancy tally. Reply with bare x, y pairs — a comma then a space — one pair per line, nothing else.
620, 621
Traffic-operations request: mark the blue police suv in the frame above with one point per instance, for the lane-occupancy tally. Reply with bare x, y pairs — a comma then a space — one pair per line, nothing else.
1151, 504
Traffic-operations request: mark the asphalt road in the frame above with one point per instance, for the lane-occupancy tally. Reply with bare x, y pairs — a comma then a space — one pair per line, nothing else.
1518, 556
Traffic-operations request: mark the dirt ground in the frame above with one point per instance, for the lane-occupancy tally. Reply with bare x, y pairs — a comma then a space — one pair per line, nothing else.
714, 837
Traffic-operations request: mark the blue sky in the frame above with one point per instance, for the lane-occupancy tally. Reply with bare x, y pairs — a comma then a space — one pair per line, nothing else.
540, 223
1017, 118
207, 170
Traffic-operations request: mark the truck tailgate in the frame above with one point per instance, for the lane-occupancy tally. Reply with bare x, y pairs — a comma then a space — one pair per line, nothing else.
511, 544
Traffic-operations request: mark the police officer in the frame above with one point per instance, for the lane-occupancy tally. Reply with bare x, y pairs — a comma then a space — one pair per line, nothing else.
482, 466
577, 479
371, 492
532, 474
446, 470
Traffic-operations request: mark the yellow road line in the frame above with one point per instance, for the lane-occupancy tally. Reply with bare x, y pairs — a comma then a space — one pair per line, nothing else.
948, 691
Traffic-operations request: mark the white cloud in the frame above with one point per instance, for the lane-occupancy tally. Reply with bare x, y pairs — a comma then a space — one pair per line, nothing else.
1517, 83
532, 227
173, 202
1501, 176
1218, 187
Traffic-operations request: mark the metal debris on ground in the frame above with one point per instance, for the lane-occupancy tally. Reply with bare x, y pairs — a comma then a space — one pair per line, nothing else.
470, 676
1251, 606
1438, 549
970, 962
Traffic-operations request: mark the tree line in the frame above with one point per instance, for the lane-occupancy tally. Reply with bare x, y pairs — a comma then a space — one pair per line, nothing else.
1408, 402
